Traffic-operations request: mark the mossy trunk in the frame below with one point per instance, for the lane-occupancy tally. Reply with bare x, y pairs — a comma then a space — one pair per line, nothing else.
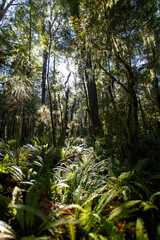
132, 127
94, 121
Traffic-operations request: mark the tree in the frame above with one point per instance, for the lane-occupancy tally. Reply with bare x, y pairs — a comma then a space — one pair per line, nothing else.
111, 33
4, 7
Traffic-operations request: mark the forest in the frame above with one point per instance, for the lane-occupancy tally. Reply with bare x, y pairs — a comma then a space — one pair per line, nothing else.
80, 119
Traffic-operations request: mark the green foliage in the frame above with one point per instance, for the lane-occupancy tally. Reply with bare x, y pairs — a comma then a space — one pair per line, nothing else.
7, 231
73, 6
80, 197
140, 230
4, 202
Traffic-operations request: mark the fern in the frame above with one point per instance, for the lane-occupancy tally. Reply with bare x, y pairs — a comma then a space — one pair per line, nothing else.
96, 236
6, 232
71, 231
16, 172
24, 219
32, 237
125, 210
105, 198
152, 198
141, 233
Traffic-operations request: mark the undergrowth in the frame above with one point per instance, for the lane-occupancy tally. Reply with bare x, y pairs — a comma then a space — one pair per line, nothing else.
77, 191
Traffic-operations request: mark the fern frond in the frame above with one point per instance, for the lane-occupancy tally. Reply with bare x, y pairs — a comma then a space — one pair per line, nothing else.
71, 206
141, 233
125, 209
123, 176
30, 209
60, 222
71, 231
94, 195
153, 196
17, 172
143, 187
32, 237
147, 205
104, 199
6, 232
83, 216
96, 236
92, 217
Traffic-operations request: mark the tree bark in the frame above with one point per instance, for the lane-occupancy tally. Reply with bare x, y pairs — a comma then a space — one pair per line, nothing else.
66, 110
49, 91
44, 75
95, 125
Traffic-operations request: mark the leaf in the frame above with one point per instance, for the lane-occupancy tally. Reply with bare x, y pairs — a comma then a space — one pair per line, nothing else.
17, 172
119, 211
153, 196
30, 209
63, 221
72, 231
72, 206
96, 236
62, 185
147, 205
124, 175
6, 157
32, 237
141, 233
7, 230
105, 198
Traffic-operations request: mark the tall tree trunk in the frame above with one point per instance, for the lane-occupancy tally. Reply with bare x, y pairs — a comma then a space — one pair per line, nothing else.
143, 114
23, 131
132, 125
95, 125
66, 110
61, 115
132, 117
155, 78
30, 39
49, 91
44, 75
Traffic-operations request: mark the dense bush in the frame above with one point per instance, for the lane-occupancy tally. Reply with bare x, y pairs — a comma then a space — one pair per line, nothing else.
79, 196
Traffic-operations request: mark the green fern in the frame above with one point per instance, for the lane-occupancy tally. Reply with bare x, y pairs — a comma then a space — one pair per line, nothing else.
141, 233
104, 200
71, 231
32, 237
97, 236
6, 232
125, 210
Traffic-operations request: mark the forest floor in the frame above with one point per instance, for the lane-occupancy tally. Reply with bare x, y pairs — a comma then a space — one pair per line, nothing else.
76, 191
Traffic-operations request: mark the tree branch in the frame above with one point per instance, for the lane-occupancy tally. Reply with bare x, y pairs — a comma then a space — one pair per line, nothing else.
113, 78
4, 10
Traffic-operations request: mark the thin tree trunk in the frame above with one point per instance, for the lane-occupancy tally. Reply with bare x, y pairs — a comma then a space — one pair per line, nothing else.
30, 38
143, 115
155, 80
66, 110
44, 75
49, 92
61, 115
23, 131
